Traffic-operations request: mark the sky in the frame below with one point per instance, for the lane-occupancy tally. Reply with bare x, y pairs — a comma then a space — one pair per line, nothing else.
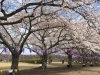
26, 52
20, 1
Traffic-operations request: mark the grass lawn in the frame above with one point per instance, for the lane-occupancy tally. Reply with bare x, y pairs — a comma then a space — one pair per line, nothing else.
6, 65
57, 68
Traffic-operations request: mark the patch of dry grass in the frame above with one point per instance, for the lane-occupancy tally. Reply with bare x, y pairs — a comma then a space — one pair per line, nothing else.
6, 65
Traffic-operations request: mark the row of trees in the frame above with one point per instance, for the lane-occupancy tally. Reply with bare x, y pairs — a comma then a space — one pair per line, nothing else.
46, 24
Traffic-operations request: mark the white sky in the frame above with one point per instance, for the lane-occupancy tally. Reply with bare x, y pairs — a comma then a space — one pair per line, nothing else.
20, 1
26, 52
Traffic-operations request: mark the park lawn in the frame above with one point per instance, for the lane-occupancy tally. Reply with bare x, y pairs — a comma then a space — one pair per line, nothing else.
61, 71
6, 65
55, 68
22, 64
65, 64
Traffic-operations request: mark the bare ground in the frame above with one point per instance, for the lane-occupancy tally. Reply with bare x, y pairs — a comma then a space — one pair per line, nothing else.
95, 70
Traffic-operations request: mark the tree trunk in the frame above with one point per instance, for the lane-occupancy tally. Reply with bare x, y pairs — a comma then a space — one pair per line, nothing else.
84, 62
15, 62
69, 60
44, 61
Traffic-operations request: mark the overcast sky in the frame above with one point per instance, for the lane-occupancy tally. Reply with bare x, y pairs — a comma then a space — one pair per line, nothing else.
26, 52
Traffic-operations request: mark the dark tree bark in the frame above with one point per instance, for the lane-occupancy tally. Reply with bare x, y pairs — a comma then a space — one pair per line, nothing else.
44, 61
84, 61
69, 60
15, 62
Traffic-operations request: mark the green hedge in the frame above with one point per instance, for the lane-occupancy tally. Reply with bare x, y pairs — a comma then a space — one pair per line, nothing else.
32, 61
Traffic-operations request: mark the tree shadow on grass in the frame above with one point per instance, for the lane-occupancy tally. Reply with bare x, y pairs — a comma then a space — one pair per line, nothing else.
50, 71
